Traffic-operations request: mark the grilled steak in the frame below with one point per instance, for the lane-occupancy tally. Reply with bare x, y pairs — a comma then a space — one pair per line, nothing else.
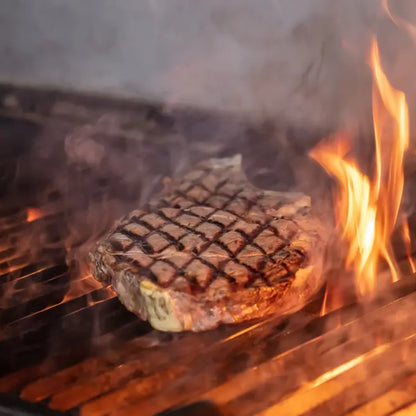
213, 249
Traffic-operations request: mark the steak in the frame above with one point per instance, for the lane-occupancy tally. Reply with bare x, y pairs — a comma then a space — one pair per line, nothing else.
213, 249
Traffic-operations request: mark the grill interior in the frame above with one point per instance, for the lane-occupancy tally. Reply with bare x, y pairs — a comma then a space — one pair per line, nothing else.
67, 345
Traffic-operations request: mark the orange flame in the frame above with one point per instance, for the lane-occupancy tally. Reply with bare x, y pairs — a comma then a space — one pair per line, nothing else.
33, 214
367, 209
82, 286
407, 242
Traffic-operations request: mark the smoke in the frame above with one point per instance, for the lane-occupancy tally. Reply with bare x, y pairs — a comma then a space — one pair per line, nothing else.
267, 80
301, 63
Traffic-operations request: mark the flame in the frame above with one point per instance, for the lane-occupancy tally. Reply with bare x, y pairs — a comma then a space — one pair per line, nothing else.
333, 299
325, 309
33, 214
81, 286
407, 242
367, 209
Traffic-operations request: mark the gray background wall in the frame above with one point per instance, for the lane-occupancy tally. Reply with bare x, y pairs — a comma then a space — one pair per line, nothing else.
300, 60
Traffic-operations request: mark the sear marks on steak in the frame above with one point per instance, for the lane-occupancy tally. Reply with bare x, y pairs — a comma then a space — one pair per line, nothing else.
213, 249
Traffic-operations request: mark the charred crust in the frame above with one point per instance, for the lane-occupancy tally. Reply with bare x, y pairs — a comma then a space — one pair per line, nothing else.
243, 238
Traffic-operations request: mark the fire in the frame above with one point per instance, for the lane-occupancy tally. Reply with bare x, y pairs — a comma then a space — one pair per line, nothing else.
367, 208
81, 286
33, 214
407, 242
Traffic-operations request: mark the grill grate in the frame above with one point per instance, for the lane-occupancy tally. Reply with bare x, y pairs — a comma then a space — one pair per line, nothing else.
67, 346
89, 354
